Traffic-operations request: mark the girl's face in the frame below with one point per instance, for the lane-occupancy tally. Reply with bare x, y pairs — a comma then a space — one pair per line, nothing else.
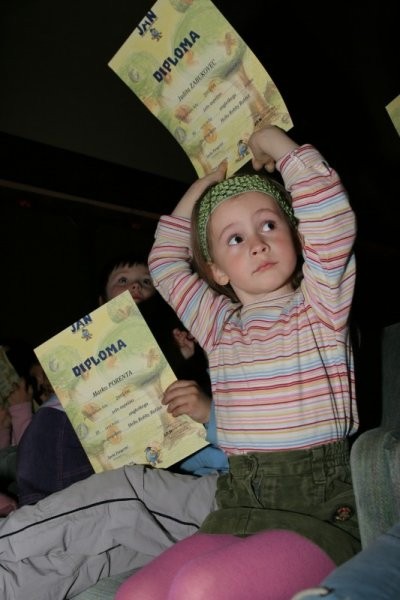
135, 278
252, 247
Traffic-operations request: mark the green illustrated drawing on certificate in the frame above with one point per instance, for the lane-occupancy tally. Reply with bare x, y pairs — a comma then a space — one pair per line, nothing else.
110, 374
196, 74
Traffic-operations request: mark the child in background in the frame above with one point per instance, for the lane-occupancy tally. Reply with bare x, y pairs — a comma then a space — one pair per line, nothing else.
51, 434
130, 272
269, 301
190, 394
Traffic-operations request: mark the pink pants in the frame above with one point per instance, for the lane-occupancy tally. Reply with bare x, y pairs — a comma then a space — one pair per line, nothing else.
270, 565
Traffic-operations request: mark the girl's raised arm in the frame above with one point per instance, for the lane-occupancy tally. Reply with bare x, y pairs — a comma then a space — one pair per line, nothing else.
185, 205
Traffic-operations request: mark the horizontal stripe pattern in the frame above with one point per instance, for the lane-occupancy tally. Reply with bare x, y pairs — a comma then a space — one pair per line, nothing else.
282, 371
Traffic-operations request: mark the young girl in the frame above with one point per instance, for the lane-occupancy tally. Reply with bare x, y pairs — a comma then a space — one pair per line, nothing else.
269, 301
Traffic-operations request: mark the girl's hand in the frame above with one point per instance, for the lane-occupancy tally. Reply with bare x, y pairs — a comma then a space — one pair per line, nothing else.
187, 398
188, 200
185, 341
268, 145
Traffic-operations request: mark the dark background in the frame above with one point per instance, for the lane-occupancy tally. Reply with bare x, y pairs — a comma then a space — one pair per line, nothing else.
85, 169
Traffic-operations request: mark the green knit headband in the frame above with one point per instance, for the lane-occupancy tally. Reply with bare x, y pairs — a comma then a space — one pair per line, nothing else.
233, 187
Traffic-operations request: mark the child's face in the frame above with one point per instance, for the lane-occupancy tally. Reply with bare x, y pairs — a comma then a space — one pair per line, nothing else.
252, 247
135, 278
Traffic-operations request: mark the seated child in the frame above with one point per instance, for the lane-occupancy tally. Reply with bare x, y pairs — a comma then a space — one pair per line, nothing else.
50, 455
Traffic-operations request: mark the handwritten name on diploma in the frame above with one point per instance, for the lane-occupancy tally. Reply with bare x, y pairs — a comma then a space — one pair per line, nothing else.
113, 382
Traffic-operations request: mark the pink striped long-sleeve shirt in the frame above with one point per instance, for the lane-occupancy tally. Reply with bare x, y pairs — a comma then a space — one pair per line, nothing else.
282, 369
